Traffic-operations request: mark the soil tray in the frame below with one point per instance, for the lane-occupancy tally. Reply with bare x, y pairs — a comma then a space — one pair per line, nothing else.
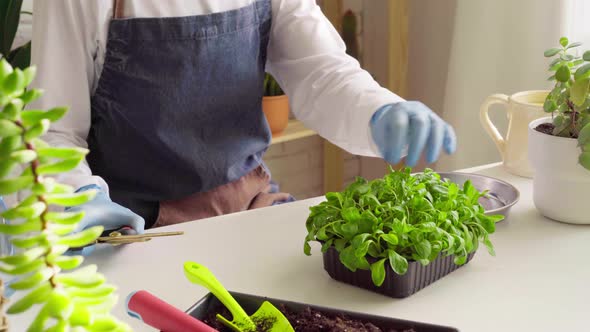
304, 316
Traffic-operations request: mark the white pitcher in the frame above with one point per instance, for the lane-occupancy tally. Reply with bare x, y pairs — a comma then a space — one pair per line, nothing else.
521, 109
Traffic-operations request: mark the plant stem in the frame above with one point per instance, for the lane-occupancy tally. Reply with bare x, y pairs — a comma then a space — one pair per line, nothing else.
42, 217
570, 105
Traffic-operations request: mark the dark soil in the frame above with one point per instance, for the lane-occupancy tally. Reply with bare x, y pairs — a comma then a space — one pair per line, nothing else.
309, 320
545, 128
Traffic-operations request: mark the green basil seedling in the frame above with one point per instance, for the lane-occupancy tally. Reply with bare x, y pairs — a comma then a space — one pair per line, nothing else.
384, 223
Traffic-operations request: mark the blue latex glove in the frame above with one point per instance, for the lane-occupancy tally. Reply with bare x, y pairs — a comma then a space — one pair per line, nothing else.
411, 124
101, 211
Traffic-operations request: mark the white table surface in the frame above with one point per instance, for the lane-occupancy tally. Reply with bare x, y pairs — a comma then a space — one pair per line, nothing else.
538, 281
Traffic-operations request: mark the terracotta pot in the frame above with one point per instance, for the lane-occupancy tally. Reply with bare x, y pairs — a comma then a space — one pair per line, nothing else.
276, 110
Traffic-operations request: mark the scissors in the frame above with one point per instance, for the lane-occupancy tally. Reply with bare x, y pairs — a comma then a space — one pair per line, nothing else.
127, 235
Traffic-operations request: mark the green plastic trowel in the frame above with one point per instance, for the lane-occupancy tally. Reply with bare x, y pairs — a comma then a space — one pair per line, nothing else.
267, 315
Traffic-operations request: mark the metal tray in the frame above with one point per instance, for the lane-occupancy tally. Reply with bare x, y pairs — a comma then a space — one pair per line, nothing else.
501, 195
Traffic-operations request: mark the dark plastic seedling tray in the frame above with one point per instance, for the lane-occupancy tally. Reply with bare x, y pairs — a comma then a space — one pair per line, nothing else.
395, 285
250, 303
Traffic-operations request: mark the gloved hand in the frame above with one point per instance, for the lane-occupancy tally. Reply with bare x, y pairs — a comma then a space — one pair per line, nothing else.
101, 211
411, 124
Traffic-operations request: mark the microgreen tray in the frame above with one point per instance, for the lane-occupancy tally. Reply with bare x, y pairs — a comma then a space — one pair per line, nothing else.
395, 285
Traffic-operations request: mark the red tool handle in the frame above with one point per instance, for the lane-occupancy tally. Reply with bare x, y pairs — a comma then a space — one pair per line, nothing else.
161, 315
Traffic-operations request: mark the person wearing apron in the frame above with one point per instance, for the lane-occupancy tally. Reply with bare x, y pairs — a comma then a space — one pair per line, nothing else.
175, 127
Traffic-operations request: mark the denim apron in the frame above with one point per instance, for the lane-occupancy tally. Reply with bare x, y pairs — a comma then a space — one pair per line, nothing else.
177, 129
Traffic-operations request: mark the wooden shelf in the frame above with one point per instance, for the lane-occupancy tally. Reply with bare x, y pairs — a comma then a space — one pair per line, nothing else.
295, 130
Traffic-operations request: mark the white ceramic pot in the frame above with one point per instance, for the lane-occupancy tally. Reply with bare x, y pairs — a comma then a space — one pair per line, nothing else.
561, 186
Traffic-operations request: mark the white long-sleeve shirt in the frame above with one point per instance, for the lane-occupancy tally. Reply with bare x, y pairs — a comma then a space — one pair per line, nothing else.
328, 90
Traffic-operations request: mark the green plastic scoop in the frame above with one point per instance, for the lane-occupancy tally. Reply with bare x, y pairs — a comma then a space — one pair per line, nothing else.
267, 315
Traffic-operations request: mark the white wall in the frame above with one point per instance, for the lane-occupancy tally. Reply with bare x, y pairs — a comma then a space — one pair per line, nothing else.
464, 50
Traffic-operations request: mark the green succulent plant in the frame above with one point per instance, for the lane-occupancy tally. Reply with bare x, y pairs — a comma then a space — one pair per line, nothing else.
69, 298
271, 87
569, 100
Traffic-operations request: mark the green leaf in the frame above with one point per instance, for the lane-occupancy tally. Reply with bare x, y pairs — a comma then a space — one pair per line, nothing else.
563, 74
65, 218
38, 295
56, 251
9, 128
100, 291
398, 263
23, 156
59, 305
586, 56
39, 144
25, 268
83, 238
578, 62
21, 57
351, 214
29, 212
6, 167
30, 72
80, 316
31, 95
23, 258
378, 272
460, 260
62, 230
43, 186
9, 22
583, 72
40, 320
563, 41
59, 188
350, 229
60, 166
13, 83
73, 199
551, 52
37, 130
62, 153
307, 248
567, 58
489, 245
32, 117
68, 262
584, 160
17, 229
29, 241
12, 109
10, 144
5, 67
33, 280
579, 91
423, 249
60, 326
390, 238
85, 277
584, 136
103, 324
574, 45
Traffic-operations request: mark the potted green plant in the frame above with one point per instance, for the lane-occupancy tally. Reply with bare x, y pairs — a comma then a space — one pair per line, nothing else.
275, 105
397, 234
68, 297
559, 145
10, 12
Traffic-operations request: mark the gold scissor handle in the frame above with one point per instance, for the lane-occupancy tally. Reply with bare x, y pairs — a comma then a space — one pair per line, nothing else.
117, 238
